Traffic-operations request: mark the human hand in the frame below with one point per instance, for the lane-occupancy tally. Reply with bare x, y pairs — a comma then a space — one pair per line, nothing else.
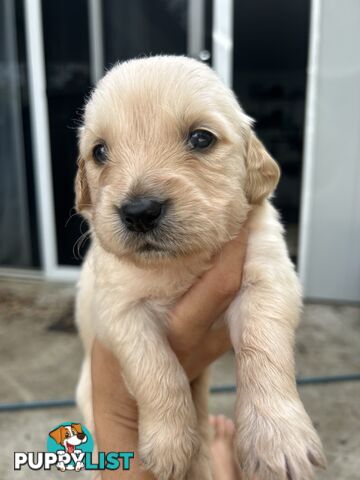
193, 341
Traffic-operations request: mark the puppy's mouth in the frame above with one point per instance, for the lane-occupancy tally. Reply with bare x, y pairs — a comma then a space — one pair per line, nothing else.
168, 239
158, 242
148, 247
154, 246
70, 447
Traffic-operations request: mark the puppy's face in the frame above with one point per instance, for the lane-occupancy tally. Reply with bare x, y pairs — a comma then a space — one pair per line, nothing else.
168, 163
69, 436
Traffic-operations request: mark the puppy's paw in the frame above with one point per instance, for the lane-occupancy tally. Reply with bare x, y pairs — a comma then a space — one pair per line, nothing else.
79, 466
278, 445
168, 451
201, 467
61, 466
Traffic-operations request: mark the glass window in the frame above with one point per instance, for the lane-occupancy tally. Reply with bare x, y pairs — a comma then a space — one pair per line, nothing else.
18, 227
66, 45
270, 58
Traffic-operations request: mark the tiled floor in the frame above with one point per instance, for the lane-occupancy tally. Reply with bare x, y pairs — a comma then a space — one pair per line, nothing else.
41, 364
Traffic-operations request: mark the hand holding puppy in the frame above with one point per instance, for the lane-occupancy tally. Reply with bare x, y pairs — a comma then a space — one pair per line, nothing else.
194, 342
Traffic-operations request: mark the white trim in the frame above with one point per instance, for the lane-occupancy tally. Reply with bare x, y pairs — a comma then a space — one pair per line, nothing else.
40, 135
59, 274
13, 272
64, 273
195, 28
223, 39
309, 143
96, 40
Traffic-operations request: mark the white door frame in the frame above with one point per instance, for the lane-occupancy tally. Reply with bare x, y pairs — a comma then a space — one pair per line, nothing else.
329, 260
40, 136
309, 138
196, 27
96, 40
222, 35
50, 267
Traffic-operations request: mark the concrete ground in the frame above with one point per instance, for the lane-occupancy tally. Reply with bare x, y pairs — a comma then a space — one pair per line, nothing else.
40, 362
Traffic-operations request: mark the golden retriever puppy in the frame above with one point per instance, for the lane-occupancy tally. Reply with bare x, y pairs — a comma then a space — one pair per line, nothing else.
169, 170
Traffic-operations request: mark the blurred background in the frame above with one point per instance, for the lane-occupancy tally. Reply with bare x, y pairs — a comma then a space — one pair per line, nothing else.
295, 67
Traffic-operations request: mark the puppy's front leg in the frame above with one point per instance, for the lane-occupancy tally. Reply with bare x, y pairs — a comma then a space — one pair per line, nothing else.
275, 437
167, 419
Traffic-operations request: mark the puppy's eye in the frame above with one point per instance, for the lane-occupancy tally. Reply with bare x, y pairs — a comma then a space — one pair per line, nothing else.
100, 153
200, 139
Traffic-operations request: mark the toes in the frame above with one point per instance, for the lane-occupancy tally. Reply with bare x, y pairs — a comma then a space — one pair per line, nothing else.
214, 424
289, 475
317, 459
212, 421
221, 425
298, 468
230, 428
217, 422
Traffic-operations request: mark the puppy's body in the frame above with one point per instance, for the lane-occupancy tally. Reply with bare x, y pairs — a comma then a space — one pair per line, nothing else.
130, 281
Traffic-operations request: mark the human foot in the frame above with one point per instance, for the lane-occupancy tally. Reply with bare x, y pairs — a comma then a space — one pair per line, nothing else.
222, 448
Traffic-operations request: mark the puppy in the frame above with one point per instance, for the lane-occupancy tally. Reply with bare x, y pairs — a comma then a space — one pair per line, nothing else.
69, 437
169, 170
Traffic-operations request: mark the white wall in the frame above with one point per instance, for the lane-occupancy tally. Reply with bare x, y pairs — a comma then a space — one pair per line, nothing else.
330, 224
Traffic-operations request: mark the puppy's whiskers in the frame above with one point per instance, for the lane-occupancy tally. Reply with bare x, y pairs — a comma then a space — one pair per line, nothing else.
80, 241
71, 216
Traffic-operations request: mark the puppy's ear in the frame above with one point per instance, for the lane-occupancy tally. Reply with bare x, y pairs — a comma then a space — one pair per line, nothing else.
263, 173
82, 192
77, 427
58, 435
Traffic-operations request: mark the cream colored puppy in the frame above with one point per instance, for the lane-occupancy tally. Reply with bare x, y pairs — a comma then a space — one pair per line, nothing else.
169, 170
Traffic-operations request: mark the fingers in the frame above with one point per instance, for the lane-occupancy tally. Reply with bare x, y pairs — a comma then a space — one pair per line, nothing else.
209, 297
214, 344
108, 387
115, 414
218, 342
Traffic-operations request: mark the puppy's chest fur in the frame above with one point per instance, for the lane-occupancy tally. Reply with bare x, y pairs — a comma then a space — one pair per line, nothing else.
155, 289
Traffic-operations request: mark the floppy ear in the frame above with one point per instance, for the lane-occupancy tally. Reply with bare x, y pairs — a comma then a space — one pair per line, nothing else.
58, 435
77, 427
82, 192
263, 173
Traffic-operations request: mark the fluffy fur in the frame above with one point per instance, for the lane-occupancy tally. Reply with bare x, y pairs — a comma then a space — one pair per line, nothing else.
144, 110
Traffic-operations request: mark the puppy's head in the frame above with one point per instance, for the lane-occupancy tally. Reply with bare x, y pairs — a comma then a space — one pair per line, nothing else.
69, 436
169, 165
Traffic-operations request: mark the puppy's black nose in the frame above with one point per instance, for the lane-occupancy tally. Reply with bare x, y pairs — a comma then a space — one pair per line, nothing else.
141, 214
80, 436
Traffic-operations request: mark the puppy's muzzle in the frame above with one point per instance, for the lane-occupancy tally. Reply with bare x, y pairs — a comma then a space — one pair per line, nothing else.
142, 214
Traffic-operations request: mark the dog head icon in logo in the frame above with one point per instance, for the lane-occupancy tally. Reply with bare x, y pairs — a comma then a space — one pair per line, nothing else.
68, 440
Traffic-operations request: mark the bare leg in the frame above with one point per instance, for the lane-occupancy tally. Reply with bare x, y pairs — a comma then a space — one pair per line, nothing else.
201, 468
